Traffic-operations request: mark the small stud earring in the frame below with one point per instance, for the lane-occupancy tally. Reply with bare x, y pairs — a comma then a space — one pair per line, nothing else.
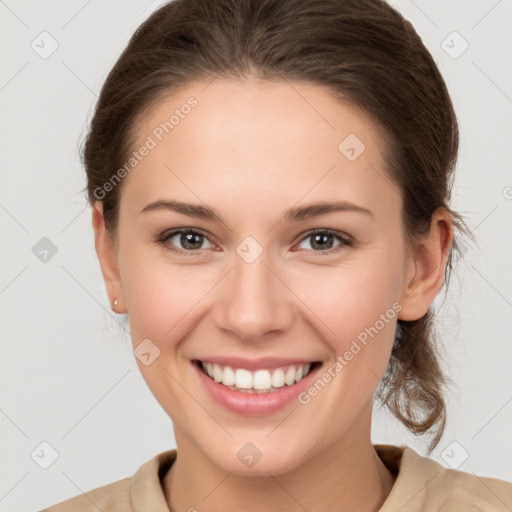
116, 302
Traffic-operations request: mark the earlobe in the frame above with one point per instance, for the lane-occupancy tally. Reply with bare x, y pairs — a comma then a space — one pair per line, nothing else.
107, 257
428, 259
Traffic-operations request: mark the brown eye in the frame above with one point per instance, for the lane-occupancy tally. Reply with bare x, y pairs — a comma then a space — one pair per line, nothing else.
323, 240
183, 240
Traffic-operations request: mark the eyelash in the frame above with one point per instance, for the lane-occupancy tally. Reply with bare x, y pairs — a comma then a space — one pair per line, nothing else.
345, 240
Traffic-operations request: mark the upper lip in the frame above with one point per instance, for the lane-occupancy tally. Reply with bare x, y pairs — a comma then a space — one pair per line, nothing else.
257, 364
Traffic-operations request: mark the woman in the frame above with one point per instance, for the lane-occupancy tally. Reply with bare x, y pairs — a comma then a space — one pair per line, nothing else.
270, 185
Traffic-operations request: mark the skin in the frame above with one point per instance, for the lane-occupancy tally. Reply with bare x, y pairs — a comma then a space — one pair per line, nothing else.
252, 149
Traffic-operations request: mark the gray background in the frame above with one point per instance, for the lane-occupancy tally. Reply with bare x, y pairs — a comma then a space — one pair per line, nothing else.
68, 377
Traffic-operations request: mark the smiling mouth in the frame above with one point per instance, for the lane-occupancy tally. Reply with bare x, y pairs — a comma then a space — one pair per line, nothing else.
258, 381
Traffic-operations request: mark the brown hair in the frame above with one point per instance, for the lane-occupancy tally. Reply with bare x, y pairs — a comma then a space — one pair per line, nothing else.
363, 51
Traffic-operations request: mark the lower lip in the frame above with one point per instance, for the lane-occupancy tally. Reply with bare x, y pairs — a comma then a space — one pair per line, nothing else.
254, 403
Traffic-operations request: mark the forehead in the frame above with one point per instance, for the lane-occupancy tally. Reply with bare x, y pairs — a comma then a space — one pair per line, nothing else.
252, 138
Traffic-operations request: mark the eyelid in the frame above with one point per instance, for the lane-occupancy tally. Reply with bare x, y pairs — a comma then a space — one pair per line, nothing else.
166, 235
341, 234
345, 240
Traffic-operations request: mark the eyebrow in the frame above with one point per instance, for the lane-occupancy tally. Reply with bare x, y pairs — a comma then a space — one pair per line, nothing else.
291, 215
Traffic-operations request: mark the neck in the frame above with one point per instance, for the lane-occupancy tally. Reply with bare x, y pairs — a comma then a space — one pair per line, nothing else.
346, 475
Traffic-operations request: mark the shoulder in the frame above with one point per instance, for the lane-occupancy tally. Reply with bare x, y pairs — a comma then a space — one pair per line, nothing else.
424, 484
142, 491
110, 497
452, 488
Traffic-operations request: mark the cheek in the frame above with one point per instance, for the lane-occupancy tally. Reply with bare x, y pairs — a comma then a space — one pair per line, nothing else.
361, 310
351, 297
160, 295
356, 305
162, 303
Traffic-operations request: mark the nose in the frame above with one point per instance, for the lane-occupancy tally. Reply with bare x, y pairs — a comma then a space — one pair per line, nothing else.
255, 303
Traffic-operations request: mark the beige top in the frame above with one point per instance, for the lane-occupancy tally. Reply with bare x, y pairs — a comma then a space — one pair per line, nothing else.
422, 485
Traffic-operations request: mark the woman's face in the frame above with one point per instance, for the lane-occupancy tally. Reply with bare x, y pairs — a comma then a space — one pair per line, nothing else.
255, 289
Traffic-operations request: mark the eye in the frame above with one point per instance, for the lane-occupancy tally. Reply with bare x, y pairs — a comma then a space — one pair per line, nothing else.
190, 239
322, 240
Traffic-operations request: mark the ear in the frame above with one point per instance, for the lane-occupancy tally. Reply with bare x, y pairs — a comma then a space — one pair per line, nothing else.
426, 267
107, 256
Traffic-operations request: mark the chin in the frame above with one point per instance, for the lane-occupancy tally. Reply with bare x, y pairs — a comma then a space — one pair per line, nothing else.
256, 459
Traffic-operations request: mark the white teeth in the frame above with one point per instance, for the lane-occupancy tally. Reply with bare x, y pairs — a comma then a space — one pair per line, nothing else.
260, 381
289, 377
228, 378
278, 378
217, 373
243, 379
